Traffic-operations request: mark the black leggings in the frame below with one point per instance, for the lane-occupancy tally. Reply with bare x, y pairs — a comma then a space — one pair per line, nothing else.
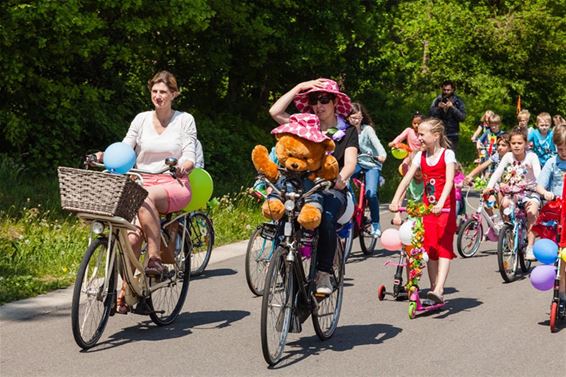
334, 205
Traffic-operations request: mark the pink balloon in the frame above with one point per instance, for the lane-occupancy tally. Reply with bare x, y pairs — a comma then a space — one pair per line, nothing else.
542, 277
390, 239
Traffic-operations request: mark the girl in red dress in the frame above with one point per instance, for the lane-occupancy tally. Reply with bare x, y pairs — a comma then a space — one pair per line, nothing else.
437, 164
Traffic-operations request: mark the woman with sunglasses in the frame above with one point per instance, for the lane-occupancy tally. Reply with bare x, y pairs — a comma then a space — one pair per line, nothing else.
323, 98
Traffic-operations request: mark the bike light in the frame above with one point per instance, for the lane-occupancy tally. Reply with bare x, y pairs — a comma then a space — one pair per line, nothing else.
289, 205
97, 227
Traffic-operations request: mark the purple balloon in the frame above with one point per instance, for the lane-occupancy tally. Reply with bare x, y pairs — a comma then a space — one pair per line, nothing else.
542, 277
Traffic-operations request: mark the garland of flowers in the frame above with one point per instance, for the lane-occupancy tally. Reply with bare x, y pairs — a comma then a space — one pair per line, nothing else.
416, 252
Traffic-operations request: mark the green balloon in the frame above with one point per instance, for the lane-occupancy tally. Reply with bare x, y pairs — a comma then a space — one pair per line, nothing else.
201, 189
399, 153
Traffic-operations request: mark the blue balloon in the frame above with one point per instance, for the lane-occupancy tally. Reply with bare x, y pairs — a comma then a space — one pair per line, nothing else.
546, 251
119, 158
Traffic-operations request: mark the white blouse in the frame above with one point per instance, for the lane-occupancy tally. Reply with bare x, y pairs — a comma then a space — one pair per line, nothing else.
177, 140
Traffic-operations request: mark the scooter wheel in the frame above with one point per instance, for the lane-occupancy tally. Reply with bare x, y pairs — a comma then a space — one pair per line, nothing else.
412, 310
553, 315
381, 292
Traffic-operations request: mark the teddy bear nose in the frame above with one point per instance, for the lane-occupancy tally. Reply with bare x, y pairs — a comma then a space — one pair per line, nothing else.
294, 165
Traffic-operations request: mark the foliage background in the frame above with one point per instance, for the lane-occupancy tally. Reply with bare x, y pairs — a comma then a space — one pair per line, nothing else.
74, 72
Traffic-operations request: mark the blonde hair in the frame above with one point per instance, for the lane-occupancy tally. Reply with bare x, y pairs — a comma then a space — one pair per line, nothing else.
544, 117
495, 119
524, 114
436, 126
486, 116
559, 137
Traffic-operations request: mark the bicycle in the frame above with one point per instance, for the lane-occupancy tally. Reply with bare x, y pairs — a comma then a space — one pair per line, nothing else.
471, 232
512, 240
289, 294
109, 202
261, 247
360, 225
201, 231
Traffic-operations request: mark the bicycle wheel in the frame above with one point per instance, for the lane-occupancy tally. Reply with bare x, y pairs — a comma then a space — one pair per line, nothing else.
469, 238
349, 241
327, 313
92, 300
276, 307
506, 254
202, 236
258, 254
367, 240
168, 299
523, 262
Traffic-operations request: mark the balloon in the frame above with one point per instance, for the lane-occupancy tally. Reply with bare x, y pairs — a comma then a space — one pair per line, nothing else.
201, 189
390, 239
399, 153
563, 255
406, 232
119, 158
546, 251
542, 277
425, 257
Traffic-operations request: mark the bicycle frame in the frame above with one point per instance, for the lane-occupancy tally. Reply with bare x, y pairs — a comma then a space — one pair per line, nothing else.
359, 208
118, 229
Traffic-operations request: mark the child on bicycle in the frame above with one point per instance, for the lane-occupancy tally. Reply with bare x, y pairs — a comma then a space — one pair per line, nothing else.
458, 184
482, 127
438, 164
517, 174
410, 135
550, 184
487, 142
541, 138
372, 155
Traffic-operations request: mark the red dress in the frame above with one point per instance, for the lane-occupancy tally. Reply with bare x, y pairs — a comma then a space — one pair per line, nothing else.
439, 229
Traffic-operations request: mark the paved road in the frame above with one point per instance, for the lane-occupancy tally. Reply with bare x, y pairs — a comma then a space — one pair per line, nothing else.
488, 329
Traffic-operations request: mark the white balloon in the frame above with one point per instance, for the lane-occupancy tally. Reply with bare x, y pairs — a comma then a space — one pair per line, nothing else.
425, 257
406, 232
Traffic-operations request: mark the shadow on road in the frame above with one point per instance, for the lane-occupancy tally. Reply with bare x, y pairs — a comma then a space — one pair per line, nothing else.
345, 339
455, 306
184, 325
214, 273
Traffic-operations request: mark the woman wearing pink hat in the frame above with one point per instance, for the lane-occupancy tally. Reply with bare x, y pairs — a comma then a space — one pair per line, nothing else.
323, 98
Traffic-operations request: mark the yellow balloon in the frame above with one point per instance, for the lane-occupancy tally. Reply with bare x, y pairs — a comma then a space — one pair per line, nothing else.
563, 254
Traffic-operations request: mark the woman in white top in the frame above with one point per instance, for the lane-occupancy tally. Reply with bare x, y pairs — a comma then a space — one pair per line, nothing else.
156, 135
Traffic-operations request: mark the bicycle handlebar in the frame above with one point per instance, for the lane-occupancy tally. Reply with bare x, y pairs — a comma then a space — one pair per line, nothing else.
92, 161
404, 209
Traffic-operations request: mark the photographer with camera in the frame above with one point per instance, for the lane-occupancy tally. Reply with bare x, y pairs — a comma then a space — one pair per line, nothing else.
450, 109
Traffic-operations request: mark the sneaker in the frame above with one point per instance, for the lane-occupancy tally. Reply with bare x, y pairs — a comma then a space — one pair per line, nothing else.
375, 230
323, 284
529, 255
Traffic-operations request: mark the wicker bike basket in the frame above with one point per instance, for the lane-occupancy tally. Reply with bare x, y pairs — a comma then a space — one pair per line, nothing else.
99, 193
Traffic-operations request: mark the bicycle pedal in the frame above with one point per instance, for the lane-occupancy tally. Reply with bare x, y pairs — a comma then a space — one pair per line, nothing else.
295, 325
142, 308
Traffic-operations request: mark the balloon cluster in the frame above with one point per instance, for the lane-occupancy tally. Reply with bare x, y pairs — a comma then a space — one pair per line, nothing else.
546, 251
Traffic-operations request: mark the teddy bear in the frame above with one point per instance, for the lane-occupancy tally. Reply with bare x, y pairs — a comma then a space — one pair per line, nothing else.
301, 147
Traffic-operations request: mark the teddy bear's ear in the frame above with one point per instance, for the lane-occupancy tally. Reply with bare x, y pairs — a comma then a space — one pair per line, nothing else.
329, 145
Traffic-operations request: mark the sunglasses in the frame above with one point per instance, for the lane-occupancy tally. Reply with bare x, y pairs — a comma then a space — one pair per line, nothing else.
324, 99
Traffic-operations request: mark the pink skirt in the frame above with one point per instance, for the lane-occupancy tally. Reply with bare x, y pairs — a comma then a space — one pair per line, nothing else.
178, 191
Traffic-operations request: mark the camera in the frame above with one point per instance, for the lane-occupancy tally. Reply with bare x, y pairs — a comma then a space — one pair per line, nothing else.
444, 99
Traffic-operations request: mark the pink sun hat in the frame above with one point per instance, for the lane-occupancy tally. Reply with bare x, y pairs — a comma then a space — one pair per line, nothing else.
343, 102
306, 126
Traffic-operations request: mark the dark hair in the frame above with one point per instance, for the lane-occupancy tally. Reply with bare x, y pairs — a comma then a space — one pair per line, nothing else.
518, 131
504, 137
448, 82
366, 119
559, 137
417, 114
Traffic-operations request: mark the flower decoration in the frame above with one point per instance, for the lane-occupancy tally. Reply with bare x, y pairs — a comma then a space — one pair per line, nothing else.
417, 261
338, 132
